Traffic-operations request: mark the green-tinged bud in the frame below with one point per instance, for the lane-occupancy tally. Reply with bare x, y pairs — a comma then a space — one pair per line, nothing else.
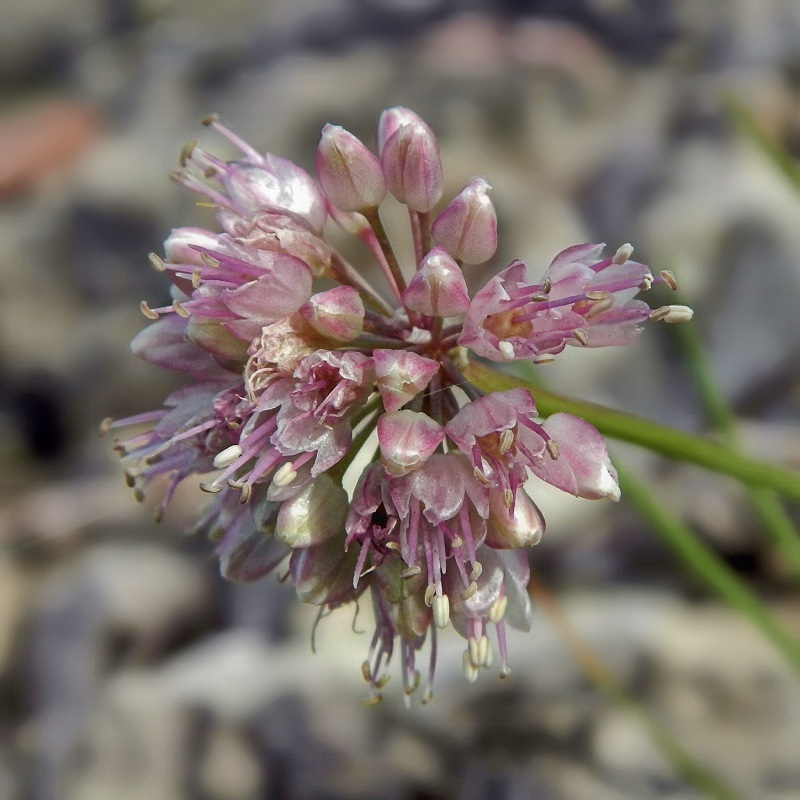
350, 175
216, 339
337, 313
313, 516
323, 575
393, 585
507, 531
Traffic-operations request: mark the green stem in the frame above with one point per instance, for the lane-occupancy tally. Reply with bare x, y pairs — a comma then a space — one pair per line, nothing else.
774, 519
709, 566
645, 433
375, 222
683, 762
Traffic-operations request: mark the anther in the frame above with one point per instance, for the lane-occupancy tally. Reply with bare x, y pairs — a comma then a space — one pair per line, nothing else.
477, 569
147, 311
498, 609
179, 309
197, 277
539, 297
470, 670
210, 172
209, 261
414, 685
411, 572
669, 278
547, 285
481, 477
227, 456
427, 696
210, 488
186, 151
209, 120
430, 590
599, 306
672, 314
506, 440
508, 498
457, 542
504, 673
216, 534
138, 494
373, 700
484, 651
441, 610
382, 681
624, 252
552, 448
473, 648
392, 546
130, 479
285, 475
158, 514
544, 358
157, 262
365, 671
506, 350
581, 336
105, 426
471, 589
598, 295
647, 282
247, 490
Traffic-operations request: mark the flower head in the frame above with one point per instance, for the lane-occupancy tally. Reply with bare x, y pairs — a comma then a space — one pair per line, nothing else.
287, 381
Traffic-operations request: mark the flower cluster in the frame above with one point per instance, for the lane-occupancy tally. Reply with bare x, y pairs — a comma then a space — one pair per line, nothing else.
290, 384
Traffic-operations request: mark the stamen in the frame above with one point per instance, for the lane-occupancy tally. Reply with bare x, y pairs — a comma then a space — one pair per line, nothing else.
227, 456
284, 476
581, 336
506, 440
498, 609
598, 295
382, 681
157, 262
669, 278
547, 285
197, 277
186, 152
471, 589
373, 700
470, 670
477, 569
544, 358
365, 671
672, 314
210, 488
429, 593
484, 651
553, 449
179, 309
105, 426
473, 649
209, 120
209, 261
599, 306
441, 610
624, 252
411, 572
147, 311
506, 350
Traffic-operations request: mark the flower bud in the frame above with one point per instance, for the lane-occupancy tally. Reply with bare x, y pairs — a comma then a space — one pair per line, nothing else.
438, 288
323, 574
522, 528
276, 184
401, 375
467, 228
407, 439
350, 175
412, 165
313, 516
337, 313
391, 120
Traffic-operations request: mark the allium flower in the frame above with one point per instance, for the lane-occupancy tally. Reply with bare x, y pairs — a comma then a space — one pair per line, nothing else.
287, 381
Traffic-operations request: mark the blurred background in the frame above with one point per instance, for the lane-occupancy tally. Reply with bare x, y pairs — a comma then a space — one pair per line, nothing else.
128, 669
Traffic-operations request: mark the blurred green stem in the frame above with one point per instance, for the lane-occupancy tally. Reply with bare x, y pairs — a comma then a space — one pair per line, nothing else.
683, 762
645, 433
774, 519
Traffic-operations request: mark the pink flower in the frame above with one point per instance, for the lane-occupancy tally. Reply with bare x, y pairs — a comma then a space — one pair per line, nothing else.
289, 381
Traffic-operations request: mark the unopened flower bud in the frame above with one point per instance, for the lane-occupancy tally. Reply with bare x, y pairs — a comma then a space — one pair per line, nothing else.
314, 515
467, 228
407, 439
337, 313
323, 574
438, 288
412, 165
401, 375
506, 531
350, 175
391, 120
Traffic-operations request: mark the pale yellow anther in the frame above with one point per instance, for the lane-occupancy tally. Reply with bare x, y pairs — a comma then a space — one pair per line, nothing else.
473, 648
247, 491
457, 542
210, 119
598, 295
552, 448
508, 498
669, 278
430, 590
197, 278
484, 651
210, 488
373, 700
105, 426
227, 456
624, 252
179, 309
477, 569
581, 336
414, 685
441, 610
411, 572
209, 261
147, 311
157, 262
480, 477
186, 151
471, 589
392, 546
366, 672
599, 307
547, 285
672, 314
539, 297
506, 350
284, 475
498, 610
647, 282
470, 670
506, 440
544, 358
382, 681
427, 696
